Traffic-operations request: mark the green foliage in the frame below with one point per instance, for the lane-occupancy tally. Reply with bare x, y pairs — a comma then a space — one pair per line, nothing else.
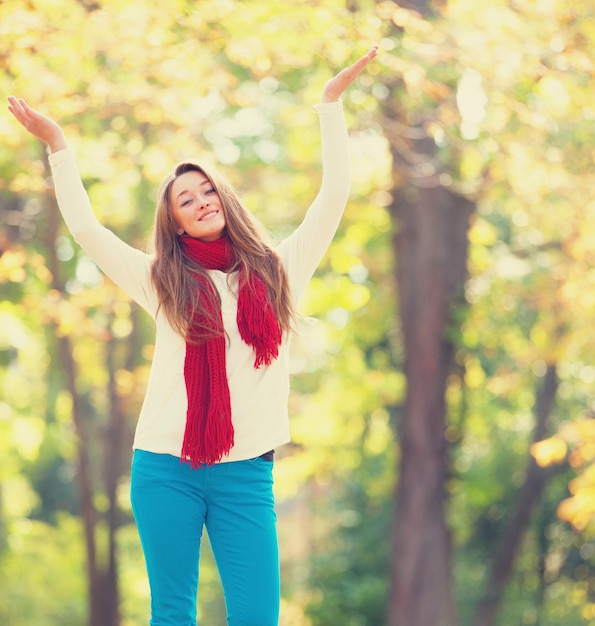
505, 93
42, 574
349, 580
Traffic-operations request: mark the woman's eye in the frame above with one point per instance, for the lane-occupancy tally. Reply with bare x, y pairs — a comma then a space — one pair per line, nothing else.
210, 191
187, 202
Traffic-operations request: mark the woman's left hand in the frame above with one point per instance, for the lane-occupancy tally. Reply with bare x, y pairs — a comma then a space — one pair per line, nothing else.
336, 86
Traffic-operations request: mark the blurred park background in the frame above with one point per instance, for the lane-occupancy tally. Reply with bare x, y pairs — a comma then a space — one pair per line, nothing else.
441, 471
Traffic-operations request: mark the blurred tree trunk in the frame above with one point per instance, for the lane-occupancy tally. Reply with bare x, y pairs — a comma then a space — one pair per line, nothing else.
430, 248
102, 581
116, 444
530, 494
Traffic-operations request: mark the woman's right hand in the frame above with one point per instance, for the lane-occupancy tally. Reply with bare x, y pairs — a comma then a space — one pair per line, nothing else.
37, 124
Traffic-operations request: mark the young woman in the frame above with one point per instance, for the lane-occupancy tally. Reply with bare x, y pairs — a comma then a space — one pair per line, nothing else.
216, 405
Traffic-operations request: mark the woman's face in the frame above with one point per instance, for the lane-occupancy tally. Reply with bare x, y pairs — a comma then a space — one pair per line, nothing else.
197, 207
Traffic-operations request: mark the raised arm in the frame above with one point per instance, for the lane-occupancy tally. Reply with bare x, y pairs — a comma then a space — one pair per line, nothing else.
125, 265
305, 247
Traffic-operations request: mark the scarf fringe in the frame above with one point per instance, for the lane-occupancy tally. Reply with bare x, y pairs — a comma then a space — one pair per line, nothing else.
258, 325
209, 446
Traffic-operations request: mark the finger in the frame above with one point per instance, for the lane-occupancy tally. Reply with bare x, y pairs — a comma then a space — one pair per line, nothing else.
353, 70
25, 106
361, 63
22, 111
15, 108
16, 105
13, 105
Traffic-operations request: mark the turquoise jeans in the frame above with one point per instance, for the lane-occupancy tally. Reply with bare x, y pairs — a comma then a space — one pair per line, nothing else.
234, 501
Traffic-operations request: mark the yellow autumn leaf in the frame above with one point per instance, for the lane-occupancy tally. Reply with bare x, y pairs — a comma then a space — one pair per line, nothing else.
549, 451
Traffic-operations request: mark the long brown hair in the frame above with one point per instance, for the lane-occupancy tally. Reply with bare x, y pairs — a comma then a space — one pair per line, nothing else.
174, 274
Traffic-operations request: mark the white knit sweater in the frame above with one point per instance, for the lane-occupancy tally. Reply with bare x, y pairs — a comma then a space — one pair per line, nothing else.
258, 397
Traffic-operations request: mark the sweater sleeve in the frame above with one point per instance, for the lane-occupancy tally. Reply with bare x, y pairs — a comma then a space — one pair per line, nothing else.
128, 267
303, 250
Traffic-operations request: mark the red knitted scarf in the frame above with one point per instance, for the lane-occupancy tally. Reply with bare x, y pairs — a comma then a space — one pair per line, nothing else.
209, 431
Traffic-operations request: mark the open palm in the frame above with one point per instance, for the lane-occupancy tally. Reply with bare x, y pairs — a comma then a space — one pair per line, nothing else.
337, 85
36, 123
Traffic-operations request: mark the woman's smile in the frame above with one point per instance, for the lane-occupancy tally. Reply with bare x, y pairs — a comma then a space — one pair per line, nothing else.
197, 207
